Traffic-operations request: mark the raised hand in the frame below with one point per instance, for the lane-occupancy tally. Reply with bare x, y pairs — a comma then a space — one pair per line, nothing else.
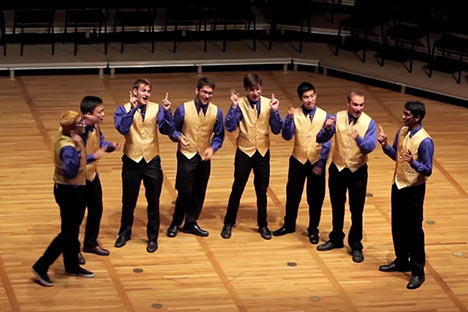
382, 137
234, 98
291, 110
274, 103
133, 99
166, 103
329, 123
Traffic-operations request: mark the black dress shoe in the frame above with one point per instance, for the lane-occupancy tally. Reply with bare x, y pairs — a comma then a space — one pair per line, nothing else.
393, 267
358, 257
98, 250
226, 232
81, 259
282, 231
195, 230
152, 246
314, 238
80, 272
172, 230
42, 278
328, 246
416, 281
121, 241
265, 232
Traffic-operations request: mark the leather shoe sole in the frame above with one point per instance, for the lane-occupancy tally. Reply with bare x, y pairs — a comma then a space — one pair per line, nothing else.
416, 281
98, 250
152, 246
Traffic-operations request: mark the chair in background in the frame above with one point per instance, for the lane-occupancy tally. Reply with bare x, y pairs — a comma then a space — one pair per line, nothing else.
451, 49
185, 15
2, 32
92, 18
34, 18
291, 15
235, 14
366, 16
136, 23
409, 25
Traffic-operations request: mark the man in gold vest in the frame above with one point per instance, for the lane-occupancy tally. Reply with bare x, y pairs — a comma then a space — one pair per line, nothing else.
199, 129
413, 152
355, 136
69, 192
138, 121
308, 160
253, 115
92, 109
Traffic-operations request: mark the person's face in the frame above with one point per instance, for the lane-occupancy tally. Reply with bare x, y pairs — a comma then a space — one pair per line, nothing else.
97, 117
356, 105
80, 125
408, 119
142, 94
204, 95
254, 93
308, 99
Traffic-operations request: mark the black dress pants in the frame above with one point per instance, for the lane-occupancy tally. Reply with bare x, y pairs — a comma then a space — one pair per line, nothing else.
132, 175
355, 183
191, 182
315, 191
407, 227
243, 165
71, 201
94, 205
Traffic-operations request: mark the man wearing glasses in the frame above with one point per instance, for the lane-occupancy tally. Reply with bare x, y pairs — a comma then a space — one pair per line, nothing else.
199, 130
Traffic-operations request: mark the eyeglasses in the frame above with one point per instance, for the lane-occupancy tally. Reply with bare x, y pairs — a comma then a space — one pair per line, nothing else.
202, 91
81, 123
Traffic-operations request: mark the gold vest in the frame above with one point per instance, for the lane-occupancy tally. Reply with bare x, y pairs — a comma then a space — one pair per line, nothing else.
254, 132
142, 139
405, 175
197, 128
347, 153
59, 172
92, 145
305, 134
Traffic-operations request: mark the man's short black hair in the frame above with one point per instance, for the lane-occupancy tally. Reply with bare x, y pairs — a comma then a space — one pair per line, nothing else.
417, 109
304, 87
89, 104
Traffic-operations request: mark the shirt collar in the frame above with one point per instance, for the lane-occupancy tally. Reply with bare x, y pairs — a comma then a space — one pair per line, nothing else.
198, 105
414, 130
308, 111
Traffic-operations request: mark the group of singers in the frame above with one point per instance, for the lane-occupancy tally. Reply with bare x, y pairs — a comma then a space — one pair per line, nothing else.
198, 128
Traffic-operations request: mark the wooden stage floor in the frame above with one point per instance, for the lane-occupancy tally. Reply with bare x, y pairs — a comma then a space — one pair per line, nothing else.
245, 273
